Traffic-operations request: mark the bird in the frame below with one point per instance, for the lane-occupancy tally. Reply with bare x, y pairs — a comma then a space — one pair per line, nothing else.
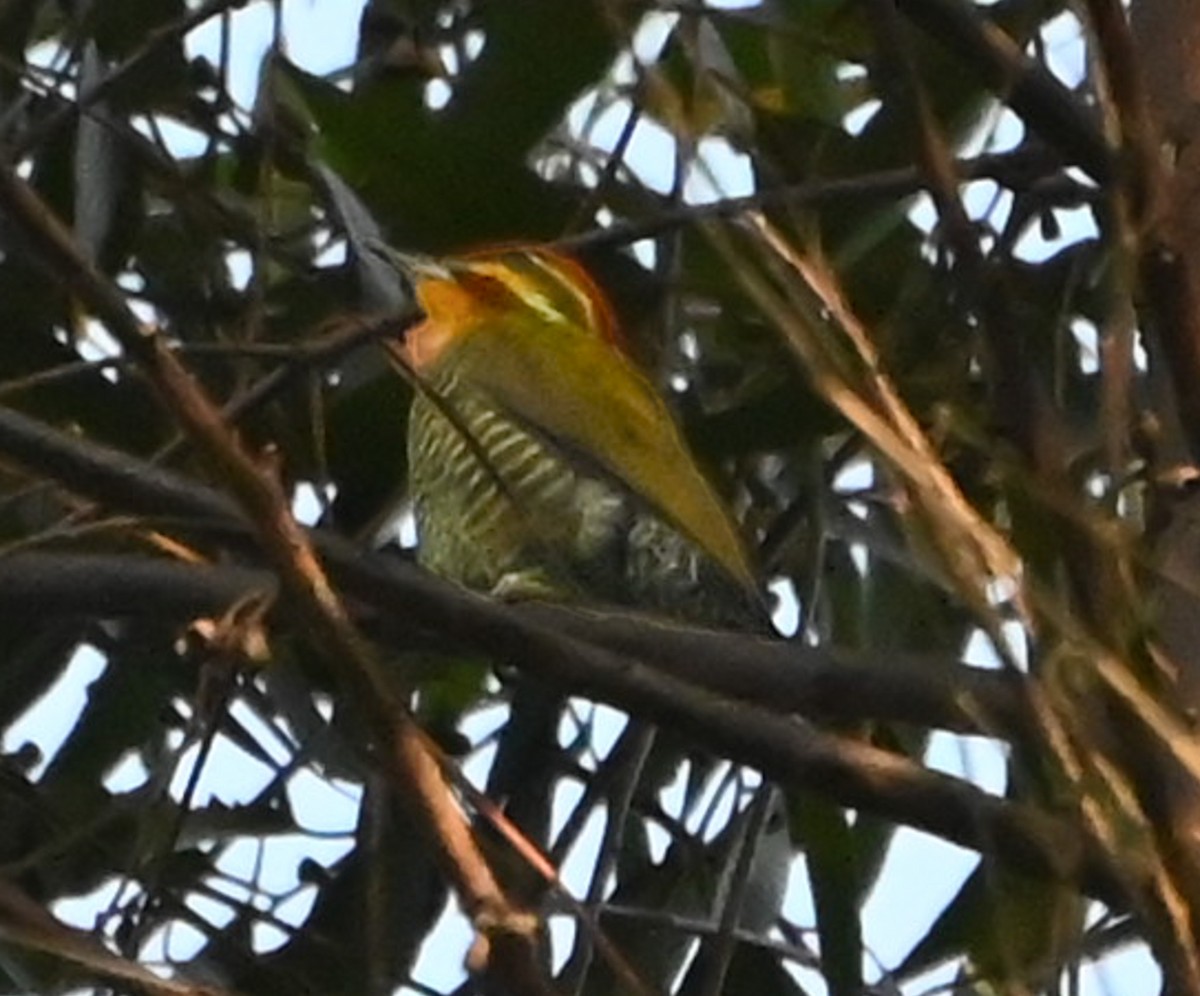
544, 464
542, 461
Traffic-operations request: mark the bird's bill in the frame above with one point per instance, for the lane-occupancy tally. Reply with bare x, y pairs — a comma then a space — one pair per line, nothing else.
421, 342
414, 266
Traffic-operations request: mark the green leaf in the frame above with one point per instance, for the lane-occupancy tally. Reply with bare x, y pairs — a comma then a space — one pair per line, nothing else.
831, 851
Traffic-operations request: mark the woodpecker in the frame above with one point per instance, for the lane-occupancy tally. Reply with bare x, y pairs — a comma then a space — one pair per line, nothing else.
542, 462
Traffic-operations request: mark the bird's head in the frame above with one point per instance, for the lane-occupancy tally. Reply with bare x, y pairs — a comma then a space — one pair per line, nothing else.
527, 331
497, 289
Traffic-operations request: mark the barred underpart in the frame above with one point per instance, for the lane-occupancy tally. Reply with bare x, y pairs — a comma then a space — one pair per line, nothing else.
500, 509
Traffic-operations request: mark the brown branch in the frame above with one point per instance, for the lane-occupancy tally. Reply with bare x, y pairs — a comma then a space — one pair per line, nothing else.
787, 749
1143, 230
1018, 170
46, 585
409, 756
789, 677
784, 678
26, 924
820, 682
96, 93
1159, 229
1050, 109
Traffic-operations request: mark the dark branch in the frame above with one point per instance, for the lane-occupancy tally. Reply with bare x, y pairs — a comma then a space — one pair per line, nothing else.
1029, 88
787, 749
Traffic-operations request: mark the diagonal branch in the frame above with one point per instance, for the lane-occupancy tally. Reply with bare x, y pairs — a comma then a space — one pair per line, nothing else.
1029, 88
790, 751
409, 757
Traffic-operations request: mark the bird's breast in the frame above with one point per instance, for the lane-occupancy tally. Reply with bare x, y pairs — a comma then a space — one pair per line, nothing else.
492, 499
495, 502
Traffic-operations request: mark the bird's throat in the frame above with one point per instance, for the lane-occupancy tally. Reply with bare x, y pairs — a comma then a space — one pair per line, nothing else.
449, 312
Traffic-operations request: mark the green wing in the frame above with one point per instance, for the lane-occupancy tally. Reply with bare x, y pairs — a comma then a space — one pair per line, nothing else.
574, 389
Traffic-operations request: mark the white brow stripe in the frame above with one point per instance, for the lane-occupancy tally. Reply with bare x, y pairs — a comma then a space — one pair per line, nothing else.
524, 289
566, 281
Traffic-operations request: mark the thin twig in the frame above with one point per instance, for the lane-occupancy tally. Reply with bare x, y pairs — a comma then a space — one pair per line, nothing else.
159, 36
408, 755
1014, 169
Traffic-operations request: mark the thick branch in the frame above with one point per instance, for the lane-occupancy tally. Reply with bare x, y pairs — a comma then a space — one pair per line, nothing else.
784, 678
789, 750
45, 585
1019, 170
408, 756
1030, 89
794, 753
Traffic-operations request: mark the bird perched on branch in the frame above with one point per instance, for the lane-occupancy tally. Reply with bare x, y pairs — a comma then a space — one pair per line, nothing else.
542, 462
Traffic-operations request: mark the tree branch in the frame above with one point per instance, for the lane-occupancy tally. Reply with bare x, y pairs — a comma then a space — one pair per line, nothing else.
788, 750
784, 678
1028, 87
408, 755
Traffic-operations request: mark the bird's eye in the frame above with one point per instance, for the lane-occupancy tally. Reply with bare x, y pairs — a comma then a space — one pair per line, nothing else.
485, 289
